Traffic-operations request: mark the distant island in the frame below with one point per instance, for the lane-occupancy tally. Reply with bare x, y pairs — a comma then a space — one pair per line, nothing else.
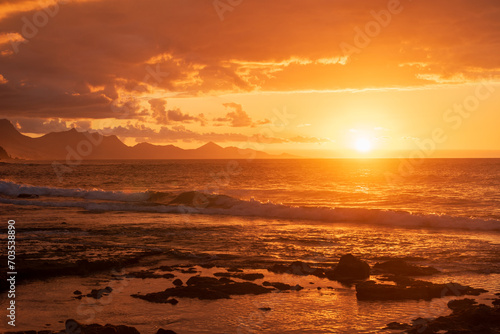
73, 145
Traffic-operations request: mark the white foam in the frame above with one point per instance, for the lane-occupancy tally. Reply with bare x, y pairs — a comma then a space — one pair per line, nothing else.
224, 205
14, 190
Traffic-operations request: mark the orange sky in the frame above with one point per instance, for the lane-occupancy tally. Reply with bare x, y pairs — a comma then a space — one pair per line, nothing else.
318, 77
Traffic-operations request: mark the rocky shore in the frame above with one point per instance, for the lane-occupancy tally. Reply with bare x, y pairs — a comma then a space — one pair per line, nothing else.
393, 281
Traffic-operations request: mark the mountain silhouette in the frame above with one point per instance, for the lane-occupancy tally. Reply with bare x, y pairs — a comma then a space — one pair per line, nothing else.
74, 146
3, 154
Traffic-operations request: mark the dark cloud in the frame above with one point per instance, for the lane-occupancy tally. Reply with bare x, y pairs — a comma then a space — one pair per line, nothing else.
238, 117
92, 53
43, 126
163, 116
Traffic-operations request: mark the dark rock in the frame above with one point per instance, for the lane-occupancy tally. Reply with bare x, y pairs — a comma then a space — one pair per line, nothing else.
397, 326
202, 280
461, 304
278, 285
249, 277
72, 326
225, 280
223, 274
177, 282
143, 274
168, 275
407, 288
172, 301
266, 309
165, 331
165, 268
27, 196
401, 267
77, 292
350, 268
468, 318
296, 268
205, 288
189, 271
234, 270
98, 293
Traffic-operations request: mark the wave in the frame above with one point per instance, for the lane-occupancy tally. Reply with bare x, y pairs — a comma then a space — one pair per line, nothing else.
14, 190
194, 202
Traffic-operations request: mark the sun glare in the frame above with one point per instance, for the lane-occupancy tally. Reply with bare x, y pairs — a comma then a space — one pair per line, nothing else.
363, 145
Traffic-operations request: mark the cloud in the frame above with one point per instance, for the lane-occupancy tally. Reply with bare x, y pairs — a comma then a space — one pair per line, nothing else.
125, 47
163, 116
43, 126
159, 110
309, 140
238, 117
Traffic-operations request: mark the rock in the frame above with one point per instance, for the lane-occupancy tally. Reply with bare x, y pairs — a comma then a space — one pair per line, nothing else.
143, 274
98, 293
165, 268
168, 276
165, 331
72, 326
297, 268
172, 301
205, 288
407, 288
350, 268
401, 267
234, 270
278, 285
468, 318
189, 271
77, 292
177, 282
27, 196
397, 326
266, 309
249, 277
461, 304
223, 274
225, 280
202, 280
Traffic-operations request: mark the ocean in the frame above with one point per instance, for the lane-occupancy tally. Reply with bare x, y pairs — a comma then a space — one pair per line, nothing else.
251, 214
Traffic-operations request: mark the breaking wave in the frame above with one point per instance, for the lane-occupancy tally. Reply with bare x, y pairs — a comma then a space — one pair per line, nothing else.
194, 202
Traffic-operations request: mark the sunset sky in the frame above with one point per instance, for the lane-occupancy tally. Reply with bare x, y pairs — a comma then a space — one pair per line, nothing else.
316, 78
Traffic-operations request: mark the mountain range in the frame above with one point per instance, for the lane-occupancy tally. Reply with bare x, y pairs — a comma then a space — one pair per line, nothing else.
74, 145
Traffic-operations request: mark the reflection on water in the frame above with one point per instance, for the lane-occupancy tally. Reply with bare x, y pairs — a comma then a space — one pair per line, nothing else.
467, 257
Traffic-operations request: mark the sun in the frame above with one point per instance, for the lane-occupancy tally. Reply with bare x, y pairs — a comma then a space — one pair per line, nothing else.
363, 145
